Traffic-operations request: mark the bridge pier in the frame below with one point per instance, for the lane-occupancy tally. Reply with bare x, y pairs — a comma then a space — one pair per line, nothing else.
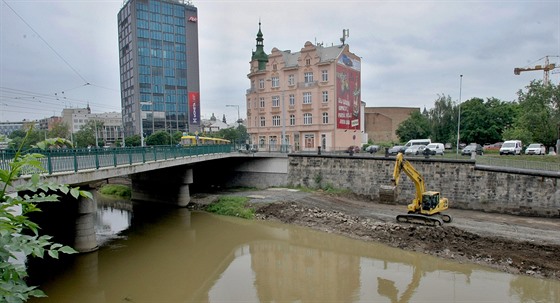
169, 185
85, 239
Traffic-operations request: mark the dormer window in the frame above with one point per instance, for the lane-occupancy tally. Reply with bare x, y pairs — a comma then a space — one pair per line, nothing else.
307, 61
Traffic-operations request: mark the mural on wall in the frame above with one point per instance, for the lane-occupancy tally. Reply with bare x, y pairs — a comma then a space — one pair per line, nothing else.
194, 108
348, 88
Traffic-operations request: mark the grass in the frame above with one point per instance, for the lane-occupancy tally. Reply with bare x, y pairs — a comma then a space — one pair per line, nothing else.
232, 206
116, 190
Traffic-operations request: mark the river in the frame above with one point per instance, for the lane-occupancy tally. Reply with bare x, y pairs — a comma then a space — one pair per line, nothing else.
155, 253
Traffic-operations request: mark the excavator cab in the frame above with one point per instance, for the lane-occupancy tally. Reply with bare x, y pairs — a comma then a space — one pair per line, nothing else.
430, 200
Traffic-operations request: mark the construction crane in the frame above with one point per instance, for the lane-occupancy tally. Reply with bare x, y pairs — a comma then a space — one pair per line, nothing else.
545, 68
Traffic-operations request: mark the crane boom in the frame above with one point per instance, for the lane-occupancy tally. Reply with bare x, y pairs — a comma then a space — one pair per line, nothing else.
545, 68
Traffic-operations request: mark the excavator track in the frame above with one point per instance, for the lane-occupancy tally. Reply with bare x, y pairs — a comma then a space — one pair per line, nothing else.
420, 219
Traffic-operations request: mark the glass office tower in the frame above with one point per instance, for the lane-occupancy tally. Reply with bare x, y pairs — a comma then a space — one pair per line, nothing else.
158, 53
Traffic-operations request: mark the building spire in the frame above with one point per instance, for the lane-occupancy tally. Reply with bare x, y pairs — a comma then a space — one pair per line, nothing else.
259, 54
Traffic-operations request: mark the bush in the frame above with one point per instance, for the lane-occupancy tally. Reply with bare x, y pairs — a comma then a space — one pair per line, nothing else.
232, 206
116, 190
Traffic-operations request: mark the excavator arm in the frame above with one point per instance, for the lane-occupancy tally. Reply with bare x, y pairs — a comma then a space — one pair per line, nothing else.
402, 165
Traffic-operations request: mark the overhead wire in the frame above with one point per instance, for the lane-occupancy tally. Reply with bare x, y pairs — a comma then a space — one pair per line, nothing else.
45, 41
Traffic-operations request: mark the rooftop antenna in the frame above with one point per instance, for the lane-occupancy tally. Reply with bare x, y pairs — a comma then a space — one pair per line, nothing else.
345, 34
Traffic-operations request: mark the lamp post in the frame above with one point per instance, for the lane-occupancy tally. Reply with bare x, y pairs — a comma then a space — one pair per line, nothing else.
238, 118
459, 117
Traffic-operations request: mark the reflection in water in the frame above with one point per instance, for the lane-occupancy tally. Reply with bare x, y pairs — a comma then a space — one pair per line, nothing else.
173, 255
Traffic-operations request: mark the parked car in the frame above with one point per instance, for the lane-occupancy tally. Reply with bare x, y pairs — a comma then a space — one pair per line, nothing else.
396, 149
494, 146
473, 147
372, 149
415, 150
535, 149
352, 149
435, 148
511, 147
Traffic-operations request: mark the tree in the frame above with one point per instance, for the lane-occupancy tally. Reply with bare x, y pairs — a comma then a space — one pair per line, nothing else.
443, 120
133, 140
539, 114
415, 127
19, 235
160, 137
59, 130
86, 135
26, 138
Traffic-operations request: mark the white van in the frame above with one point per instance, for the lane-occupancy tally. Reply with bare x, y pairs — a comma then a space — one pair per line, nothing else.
511, 147
417, 142
436, 148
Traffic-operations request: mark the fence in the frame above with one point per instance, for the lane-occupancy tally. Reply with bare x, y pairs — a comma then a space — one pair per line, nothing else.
68, 160
523, 164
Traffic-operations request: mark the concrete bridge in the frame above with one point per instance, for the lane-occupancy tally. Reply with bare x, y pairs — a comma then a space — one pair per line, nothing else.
158, 174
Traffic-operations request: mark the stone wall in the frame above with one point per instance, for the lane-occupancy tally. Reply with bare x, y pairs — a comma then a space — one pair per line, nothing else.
466, 186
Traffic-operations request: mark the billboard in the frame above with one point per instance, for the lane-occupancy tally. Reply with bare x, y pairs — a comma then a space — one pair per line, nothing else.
194, 108
348, 93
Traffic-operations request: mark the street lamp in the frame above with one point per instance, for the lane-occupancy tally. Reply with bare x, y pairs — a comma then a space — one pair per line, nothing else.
238, 118
459, 118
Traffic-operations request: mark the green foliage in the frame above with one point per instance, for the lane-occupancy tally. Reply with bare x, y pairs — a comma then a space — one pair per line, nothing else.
318, 179
232, 206
59, 130
25, 139
415, 127
160, 137
116, 190
86, 135
53, 143
133, 140
18, 234
238, 134
539, 114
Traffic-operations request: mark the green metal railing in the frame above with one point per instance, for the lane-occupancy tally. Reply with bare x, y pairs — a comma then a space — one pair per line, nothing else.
74, 160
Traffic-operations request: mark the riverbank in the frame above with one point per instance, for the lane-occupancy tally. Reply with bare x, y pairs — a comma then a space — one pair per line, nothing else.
518, 245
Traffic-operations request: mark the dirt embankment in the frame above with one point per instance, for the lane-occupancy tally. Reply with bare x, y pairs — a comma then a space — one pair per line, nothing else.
528, 247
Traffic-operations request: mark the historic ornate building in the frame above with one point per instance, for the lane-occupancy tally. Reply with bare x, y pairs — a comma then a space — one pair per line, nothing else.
304, 100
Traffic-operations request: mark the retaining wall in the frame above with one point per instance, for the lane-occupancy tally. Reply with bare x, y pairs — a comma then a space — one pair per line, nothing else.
466, 186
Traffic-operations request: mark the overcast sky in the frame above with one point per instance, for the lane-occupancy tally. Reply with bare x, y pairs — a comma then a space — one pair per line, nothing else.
412, 51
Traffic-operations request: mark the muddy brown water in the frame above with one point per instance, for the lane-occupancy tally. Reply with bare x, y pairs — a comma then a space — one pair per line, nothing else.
150, 253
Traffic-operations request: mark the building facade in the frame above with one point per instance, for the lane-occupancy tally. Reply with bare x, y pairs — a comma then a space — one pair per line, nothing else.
158, 53
304, 100
381, 123
109, 127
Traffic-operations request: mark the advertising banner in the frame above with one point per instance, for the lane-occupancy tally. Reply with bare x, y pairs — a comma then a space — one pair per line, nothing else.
348, 89
194, 108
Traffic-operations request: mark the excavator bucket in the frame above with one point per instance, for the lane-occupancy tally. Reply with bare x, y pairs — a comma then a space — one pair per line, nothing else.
388, 194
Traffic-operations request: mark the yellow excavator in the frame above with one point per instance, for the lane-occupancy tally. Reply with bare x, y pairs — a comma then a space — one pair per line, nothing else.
427, 206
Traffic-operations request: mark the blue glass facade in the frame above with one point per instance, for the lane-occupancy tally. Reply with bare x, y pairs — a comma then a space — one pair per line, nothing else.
155, 78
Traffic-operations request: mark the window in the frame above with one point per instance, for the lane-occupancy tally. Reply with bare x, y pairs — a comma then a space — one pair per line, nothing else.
308, 77
261, 102
261, 83
275, 101
275, 120
307, 98
275, 82
274, 66
307, 119
325, 96
292, 119
291, 79
307, 61
292, 100
325, 118
325, 75
263, 121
